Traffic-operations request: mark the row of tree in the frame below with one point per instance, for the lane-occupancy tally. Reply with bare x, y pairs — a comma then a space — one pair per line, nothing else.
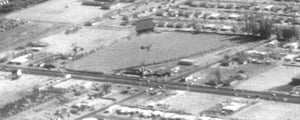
263, 26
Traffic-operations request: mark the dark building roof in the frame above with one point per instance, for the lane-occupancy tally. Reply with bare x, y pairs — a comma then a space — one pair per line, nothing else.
296, 80
144, 24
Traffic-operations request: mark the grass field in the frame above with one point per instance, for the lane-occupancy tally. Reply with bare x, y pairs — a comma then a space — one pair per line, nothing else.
165, 46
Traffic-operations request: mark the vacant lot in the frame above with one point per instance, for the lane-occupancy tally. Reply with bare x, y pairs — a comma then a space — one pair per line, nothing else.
87, 38
24, 33
13, 90
65, 11
162, 47
194, 103
276, 77
266, 110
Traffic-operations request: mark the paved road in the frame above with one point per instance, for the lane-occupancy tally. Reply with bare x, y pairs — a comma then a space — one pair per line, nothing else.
98, 77
280, 97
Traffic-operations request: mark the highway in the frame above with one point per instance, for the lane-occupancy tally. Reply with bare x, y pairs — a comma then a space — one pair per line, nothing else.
279, 97
170, 84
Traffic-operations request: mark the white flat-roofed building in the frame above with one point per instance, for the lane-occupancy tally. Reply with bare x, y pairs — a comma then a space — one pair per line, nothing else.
20, 60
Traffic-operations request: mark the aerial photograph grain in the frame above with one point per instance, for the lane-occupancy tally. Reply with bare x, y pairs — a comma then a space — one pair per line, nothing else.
149, 59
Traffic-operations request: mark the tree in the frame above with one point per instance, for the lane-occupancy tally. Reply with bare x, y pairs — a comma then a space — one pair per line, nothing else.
265, 27
106, 88
287, 34
259, 25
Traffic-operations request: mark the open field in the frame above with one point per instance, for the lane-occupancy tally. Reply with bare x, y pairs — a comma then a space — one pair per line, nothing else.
13, 90
87, 38
64, 11
266, 110
164, 46
251, 70
276, 77
194, 103
25, 33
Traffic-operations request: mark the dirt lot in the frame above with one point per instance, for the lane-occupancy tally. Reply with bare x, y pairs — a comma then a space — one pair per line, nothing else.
164, 46
194, 103
278, 76
87, 38
13, 90
64, 11
24, 33
266, 110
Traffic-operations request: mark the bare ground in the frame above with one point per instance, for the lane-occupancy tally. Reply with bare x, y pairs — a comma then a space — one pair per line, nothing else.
63, 11
13, 90
25, 33
87, 38
278, 76
266, 110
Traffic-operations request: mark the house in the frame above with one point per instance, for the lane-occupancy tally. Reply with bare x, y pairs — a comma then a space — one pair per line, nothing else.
226, 28
268, 7
144, 24
209, 26
273, 44
296, 21
233, 106
16, 74
3, 2
289, 57
179, 25
160, 24
214, 16
292, 45
234, 16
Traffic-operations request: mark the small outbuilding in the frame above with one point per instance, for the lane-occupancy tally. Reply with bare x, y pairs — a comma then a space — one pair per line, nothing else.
296, 80
186, 62
234, 16
226, 28
209, 26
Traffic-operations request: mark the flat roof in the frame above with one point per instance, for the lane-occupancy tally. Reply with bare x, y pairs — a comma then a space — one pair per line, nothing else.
20, 59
